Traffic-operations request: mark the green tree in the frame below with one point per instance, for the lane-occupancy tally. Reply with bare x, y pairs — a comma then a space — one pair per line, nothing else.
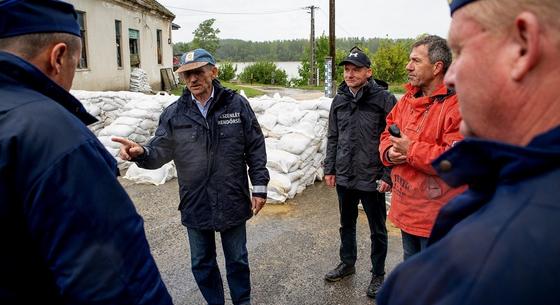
389, 62
181, 47
227, 71
206, 36
264, 72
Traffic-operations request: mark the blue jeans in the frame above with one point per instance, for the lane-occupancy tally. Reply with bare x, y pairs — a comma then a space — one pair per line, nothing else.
376, 212
205, 268
412, 244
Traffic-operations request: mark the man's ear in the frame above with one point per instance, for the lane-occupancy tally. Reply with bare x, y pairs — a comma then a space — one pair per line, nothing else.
526, 38
58, 55
438, 68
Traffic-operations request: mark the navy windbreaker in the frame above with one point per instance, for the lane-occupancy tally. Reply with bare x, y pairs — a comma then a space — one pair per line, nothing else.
497, 243
69, 232
212, 156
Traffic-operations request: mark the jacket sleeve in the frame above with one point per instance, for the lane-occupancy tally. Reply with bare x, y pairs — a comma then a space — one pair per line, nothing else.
332, 141
385, 143
422, 154
89, 233
255, 151
389, 106
159, 149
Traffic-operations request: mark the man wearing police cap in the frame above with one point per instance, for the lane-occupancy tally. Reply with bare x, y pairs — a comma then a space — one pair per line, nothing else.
497, 243
69, 231
352, 164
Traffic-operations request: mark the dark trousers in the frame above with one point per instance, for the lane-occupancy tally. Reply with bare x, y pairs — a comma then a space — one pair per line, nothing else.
205, 268
412, 244
374, 207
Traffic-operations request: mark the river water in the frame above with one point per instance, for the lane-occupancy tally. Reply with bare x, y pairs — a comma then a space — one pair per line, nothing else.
291, 67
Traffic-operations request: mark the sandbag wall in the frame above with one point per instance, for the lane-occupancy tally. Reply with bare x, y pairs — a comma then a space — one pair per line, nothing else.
295, 135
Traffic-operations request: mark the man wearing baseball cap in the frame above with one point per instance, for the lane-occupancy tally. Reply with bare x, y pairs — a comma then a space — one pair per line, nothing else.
497, 242
213, 136
352, 164
70, 234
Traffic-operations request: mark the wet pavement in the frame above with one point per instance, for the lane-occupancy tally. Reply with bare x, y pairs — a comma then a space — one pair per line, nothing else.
291, 246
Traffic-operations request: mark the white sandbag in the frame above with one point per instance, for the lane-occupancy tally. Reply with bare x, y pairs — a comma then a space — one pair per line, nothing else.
290, 118
325, 104
279, 182
309, 105
267, 121
117, 130
294, 143
281, 161
148, 176
270, 143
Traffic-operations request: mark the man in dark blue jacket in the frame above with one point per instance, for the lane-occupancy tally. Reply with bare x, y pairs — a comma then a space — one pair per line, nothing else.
212, 135
497, 243
69, 232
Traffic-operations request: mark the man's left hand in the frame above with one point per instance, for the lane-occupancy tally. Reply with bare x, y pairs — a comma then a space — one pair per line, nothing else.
257, 204
401, 144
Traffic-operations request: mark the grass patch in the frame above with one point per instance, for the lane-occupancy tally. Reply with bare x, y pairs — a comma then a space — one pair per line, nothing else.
250, 92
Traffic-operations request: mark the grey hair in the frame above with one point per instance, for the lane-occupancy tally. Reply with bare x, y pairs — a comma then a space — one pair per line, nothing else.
438, 50
30, 46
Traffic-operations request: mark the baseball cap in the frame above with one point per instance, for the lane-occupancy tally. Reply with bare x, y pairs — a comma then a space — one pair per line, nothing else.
195, 59
20, 17
456, 4
357, 58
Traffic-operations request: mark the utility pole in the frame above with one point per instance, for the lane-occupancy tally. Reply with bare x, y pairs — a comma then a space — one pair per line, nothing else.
332, 46
312, 75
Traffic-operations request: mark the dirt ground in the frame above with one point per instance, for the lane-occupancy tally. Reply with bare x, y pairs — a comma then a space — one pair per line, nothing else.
291, 246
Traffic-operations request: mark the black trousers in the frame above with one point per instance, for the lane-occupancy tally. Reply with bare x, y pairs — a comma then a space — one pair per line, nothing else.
374, 207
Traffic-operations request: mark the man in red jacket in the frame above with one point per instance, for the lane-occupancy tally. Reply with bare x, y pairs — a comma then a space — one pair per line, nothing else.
428, 119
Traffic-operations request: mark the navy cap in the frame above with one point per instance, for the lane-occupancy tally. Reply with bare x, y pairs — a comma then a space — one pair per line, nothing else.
20, 17
357, 58
195, 59
456, 4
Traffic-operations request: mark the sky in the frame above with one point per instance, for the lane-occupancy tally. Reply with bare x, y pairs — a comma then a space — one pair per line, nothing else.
265, 20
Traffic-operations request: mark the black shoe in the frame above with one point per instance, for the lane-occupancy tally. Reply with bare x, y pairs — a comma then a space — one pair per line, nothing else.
375, 285
341, 271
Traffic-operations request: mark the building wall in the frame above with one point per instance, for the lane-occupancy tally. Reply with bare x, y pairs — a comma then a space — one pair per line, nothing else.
103, 72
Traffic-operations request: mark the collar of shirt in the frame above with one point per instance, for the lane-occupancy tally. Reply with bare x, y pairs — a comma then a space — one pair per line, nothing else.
204, 109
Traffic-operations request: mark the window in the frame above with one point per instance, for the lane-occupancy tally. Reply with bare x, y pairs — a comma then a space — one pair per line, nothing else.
159, 52
133, 44
83, 63
118, 31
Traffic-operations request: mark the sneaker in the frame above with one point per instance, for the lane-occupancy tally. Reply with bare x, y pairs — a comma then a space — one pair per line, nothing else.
375, 285
341, 271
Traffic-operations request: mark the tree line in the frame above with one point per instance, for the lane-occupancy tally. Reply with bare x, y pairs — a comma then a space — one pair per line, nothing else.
389, 56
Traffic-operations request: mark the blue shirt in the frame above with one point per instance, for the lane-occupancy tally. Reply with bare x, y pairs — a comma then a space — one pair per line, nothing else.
204, 109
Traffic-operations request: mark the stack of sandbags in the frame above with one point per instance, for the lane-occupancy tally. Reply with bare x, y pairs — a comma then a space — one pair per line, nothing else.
295, 135
139, 81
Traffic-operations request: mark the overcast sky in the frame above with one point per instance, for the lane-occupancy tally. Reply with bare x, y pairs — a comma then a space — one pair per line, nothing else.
265, 20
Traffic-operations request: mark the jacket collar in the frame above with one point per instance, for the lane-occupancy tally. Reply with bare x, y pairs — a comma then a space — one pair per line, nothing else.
484, 164
440, 94
24, 74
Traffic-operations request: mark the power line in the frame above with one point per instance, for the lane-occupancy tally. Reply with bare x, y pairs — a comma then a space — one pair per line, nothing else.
337, 25
235, 13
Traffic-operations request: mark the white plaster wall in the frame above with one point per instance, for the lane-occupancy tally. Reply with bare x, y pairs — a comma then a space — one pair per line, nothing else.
103, 72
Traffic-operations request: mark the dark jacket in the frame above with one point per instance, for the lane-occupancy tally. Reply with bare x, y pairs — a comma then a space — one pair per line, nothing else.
355, 125
497, 243
69, 232
211, 156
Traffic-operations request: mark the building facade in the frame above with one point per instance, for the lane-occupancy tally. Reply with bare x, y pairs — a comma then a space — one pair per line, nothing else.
119, 35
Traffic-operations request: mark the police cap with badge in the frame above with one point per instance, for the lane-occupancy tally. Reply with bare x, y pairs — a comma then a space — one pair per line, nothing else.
20, 17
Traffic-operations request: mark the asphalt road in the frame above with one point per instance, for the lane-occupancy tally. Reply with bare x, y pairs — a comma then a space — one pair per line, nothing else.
291, 246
